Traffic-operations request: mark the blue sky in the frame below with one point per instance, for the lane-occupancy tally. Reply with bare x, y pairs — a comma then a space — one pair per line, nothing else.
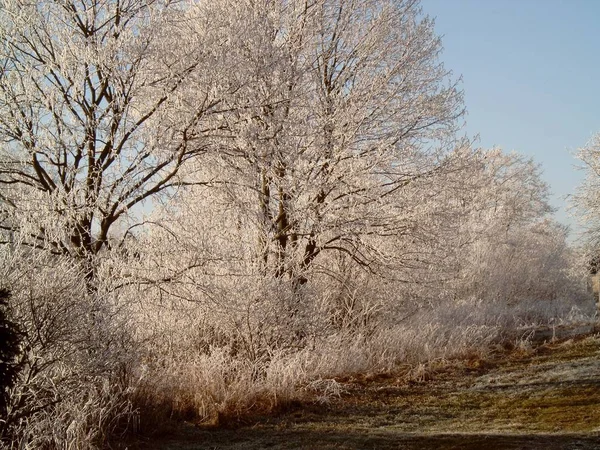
531, 76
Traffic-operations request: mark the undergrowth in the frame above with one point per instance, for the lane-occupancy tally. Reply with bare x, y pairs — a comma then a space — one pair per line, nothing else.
98, 365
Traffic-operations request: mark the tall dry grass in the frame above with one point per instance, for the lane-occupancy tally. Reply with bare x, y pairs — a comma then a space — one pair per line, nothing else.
244, 353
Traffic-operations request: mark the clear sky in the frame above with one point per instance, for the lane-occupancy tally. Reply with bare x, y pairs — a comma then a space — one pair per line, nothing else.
531, 76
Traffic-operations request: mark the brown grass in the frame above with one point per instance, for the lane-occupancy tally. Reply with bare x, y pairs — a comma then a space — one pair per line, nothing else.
544, 397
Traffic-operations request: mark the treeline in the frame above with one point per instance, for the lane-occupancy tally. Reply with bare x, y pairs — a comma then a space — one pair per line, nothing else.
210, 209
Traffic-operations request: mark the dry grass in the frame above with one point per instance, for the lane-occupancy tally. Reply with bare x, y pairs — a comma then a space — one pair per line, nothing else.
102, 364
221, 385
513, 399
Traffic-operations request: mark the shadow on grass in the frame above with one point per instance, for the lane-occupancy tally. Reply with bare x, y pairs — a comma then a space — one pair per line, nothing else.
254, 439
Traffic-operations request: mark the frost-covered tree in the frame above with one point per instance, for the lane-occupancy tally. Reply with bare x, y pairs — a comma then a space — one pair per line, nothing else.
91, 118
506, 247
345, 104
587, 198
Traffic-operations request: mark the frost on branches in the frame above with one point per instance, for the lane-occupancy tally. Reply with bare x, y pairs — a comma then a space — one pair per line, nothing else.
91, 122
587, 198
347, 107
207, 205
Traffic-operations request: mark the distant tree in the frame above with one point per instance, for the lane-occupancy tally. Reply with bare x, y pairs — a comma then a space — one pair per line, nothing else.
586, 200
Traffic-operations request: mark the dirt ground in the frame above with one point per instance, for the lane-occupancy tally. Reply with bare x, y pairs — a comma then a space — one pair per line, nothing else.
547, 397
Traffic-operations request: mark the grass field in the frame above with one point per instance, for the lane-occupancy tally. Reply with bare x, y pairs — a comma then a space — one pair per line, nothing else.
546, 396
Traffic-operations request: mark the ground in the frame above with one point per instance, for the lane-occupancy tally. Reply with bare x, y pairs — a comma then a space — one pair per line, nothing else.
544, 397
